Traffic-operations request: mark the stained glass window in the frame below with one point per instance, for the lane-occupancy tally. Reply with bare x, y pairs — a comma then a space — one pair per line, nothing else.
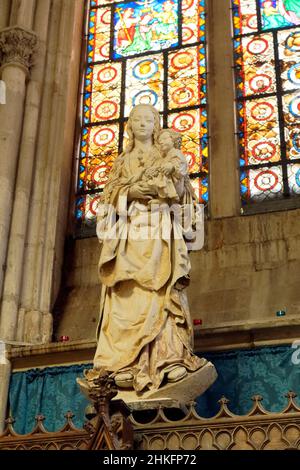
267, 58
150, 51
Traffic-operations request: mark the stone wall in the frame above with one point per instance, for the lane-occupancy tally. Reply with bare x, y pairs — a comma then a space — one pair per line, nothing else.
248, 270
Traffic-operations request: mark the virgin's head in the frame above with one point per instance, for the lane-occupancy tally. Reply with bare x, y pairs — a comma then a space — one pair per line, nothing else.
143, 124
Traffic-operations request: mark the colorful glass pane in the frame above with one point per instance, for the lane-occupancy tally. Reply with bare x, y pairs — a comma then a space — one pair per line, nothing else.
99, 148
279, 13
262, 183
103, 103
99, 35
268, 107
86, 208
144, 82
150, 51
146, 26
244, 16
193, 21
183, 78
256, 69
294, 178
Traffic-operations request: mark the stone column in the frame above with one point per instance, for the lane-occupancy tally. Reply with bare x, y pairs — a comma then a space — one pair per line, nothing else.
17, 45
224, 179
4, 9
54, 157
14, 269
5, 368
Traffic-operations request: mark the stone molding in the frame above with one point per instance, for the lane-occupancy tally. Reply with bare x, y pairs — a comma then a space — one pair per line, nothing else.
17, 46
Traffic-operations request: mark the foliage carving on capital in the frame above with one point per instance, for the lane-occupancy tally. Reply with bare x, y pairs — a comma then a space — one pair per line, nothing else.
17, 46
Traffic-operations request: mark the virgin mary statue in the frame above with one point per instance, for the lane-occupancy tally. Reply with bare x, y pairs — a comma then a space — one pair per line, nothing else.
145, 333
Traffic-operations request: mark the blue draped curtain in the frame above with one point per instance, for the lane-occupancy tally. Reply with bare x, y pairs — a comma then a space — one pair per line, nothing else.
53, 391
267, 371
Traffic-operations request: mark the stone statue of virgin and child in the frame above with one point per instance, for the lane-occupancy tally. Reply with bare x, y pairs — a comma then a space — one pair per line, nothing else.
148, 221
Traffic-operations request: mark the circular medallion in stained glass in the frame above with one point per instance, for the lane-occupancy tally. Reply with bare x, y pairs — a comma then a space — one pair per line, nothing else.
251, 22
104, 50
107, 74
187, 33
104, 136
264, 150
99, 175
145, 69
292, 42
183, 122
294, 74
145, 97
266, 180
262, 111
257, 46
260, 83
94, 205
183, 95
105, 17
182, 60
294, 107
106, 110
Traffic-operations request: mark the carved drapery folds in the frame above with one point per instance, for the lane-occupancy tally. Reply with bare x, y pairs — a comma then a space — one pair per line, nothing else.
17, 47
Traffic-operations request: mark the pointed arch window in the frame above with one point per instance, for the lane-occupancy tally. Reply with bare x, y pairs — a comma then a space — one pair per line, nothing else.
267, 63
151, 51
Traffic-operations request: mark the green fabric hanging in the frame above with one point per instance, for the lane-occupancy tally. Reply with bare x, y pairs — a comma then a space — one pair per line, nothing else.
51, 392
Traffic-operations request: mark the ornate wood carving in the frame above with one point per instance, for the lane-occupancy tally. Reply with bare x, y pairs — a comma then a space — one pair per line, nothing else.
259, 430
68, 438
109, 429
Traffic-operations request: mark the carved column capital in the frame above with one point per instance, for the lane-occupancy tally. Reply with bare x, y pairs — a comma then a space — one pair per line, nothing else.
17, 46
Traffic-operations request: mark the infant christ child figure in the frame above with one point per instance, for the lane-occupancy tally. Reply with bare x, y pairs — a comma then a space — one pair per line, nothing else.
167, 175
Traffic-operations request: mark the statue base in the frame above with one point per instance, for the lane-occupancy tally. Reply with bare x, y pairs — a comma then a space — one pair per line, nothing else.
185, 390
146, 404
172, 395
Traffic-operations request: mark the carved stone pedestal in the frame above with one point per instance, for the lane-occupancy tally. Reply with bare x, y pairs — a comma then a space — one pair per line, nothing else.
184, 391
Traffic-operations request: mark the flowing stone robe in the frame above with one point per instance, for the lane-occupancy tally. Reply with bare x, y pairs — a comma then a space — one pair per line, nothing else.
145, 324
